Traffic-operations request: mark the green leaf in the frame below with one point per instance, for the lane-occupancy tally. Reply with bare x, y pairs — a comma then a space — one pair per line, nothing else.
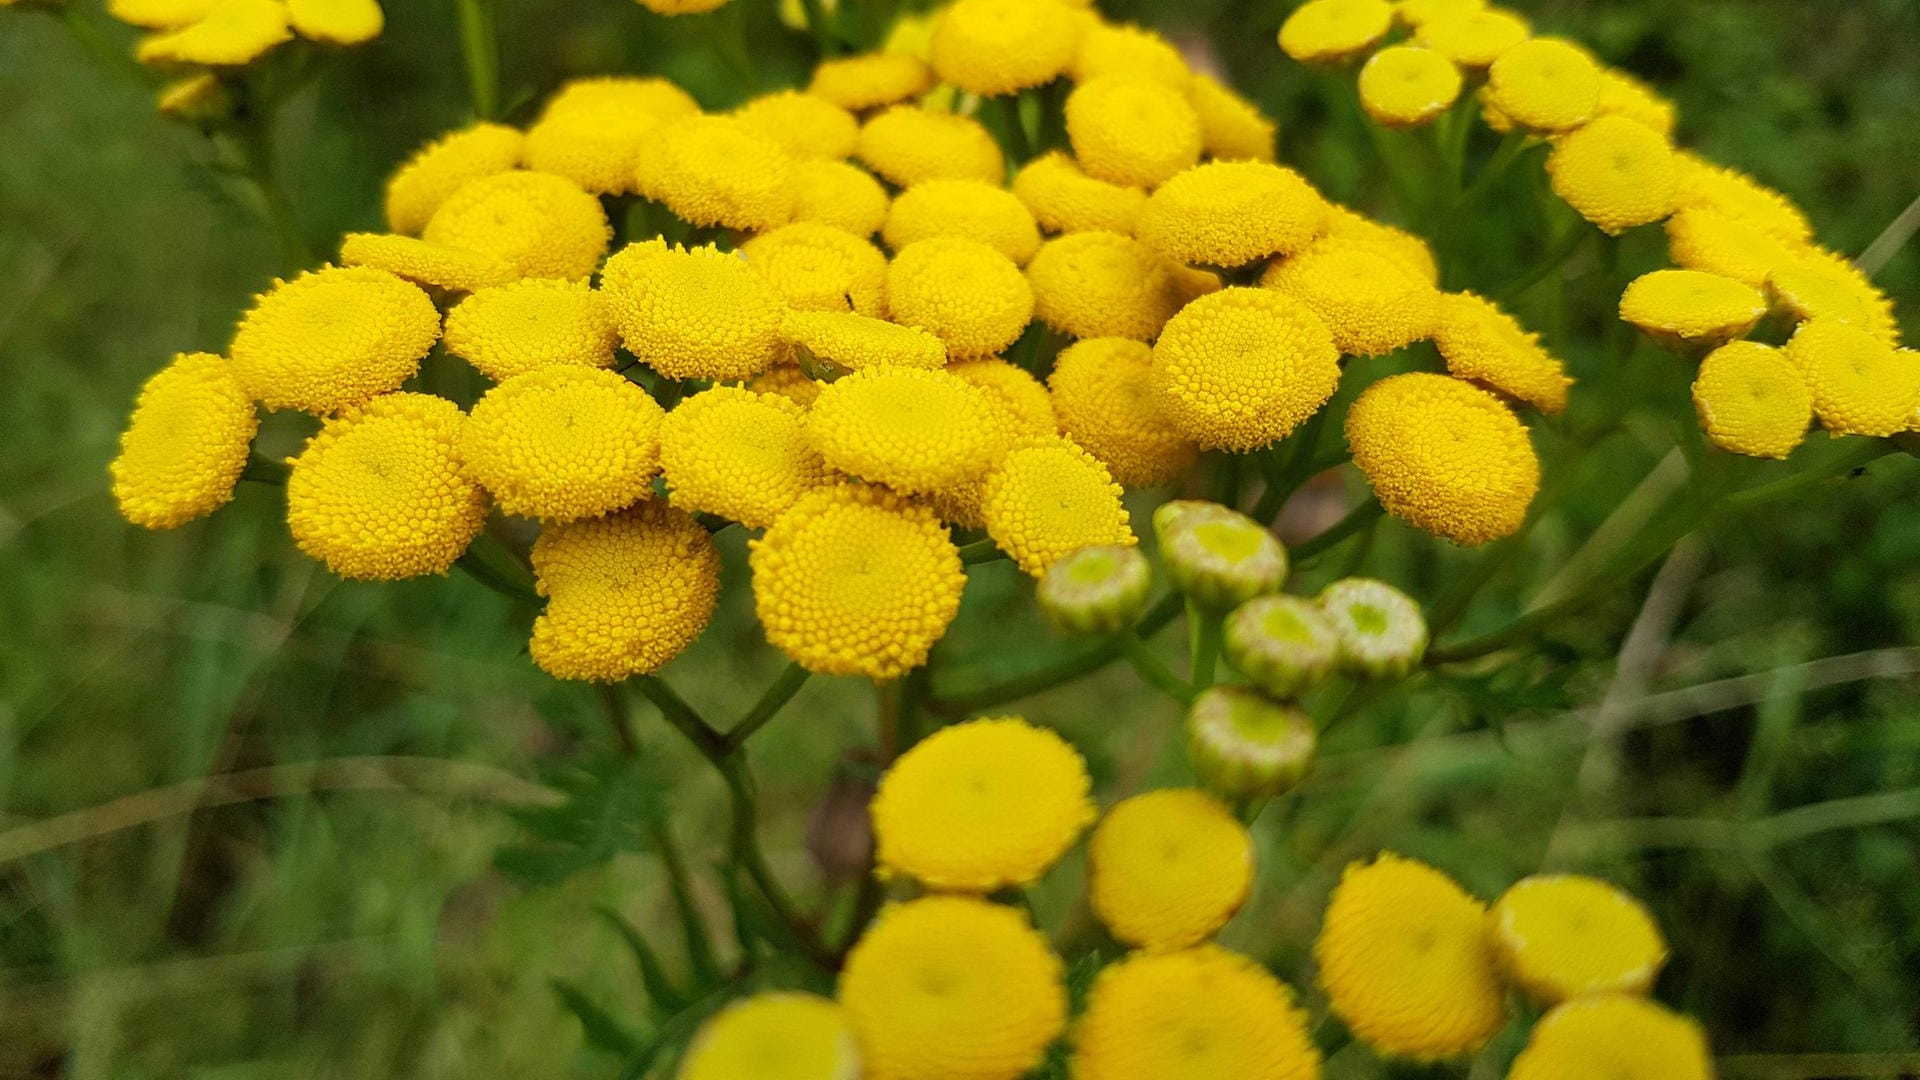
660, 989
612, 802
603, 1031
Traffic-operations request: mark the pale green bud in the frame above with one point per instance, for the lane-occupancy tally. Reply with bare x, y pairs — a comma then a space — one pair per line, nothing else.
1096, 590
1282, 643
1216, 556
1382, 632
1245, 745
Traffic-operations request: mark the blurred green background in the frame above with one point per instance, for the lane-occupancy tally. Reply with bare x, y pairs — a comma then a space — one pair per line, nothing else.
331, 908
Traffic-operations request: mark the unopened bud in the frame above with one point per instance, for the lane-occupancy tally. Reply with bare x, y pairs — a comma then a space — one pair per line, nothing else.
1096, 590
1244, 745
1282, 643
1216, 556
201, 100
1382, 633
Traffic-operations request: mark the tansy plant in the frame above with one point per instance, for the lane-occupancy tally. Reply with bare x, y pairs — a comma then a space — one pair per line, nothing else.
1096, 294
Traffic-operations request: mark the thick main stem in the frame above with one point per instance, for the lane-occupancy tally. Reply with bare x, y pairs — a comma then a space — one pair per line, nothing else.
479, 46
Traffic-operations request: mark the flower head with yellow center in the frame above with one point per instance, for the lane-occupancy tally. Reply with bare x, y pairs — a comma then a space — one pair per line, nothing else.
839, 194
1241, 368
912, 429
871, 79
1444, 455
1486, 345
1066, 200
699, 314
818, 267
1003, 46
1472, 38
836, 341
1104, 284
717, 170
563, 442
231, 33
1752, 400
963, 292
1821, 284
1613, 1037
337, 22
1229, 213
966, 208
540, 224
1231, 127
1366, 300
1545, 83
1195, 1014
908, 144
509, 330
332, 337
1616, 172
807, 126
1707, 186
1327, 31
425, 262
738, 454
418, 187
1408, 85
1102, 391
774, 1035
1683, 308
1712, 242
593, 130
1167, 869
1048, 499
1396, 245
1123, 49
1861, 385
1563, 936
185, 445
1130, 130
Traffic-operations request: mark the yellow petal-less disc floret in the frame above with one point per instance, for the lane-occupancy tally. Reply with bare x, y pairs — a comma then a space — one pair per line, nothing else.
1708, 240
1398, 246
789, 381
425, 262
1473, 39
563, 442
1048, 499
1124, 49
332, 337
1613, 1037
1617, 173
1752, 400
1822, 284
593, 130
871, 79
849, 341
1197, 1014
1003, 46
1708, 186
444, 166
1243, 367
1130, 130
965, 293
984, 805
1167, 869
738, 454
1482, 343
952, 987
1562, 936
718, 170
806, 125
540, 224
1371, 306
907, 144
1444, 455
1018, 401
774, 1035
337, 22
1064, 199
1625, 96
1545, 83
626, 593
508, 330
911, 429
185, 444
818, 267
854, 580
839, 194
699, 314
159, 14
966, 208
1327, 31
1691, 307
1861, 385
1407, 961
1231, 127
1229, 213
231, 33
378, 494
1103, 395
1103, 284
1408, 85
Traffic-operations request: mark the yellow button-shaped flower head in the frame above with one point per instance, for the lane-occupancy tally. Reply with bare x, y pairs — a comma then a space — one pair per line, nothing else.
1327, 31
1445, 456
836, 341
1564, 936
966, 208
1408, 85
1196, 1014
1018, 401
1003, 46
953, 987
914, 430
983, 805
1229, 213
185, 445
1130, 130
378, 494
1103, 394
337, 22
540, 224
1368, 302
1616, 172
1231, 127
1708, 240
839, 194
1472, 39
1861, 385
963, 292
854, 580
1398, 246
417, 188
699, 314
1048, 499
871, 79
1407, 961
1623, 95
718, 170
818, 267
1168, 868
1752, 400
1064, 199
1614, 1037
1486, 345
332, 337
1681, 308
907, 144
1243, 367
806, 125
1416, 13
563, 442
593, 130
1545, 83
738, 454
159, 14
509, 330
774, 1035
626, 593
1733, 193
1821, 284
1124, 49
425, 262
1104, 284
231, 33
789, 381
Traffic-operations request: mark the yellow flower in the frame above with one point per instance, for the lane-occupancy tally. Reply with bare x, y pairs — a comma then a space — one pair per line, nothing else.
952, 987
424, 262
1168, 869
739, 454
1003, 46
907, 144
1562, 936
1407, 961
1231, 127
332, 337
817, 267
1691, 307
593, 130
1107, 49
377, 494
1861, 385
1064, 199
984, 805
232, 32
871, 79
540, 224
200, 98
1402, 248
854, 580
508, 330
1103, 394
682, 7
1415, 13
1616, 172
718, 170
1018, 401
1613, 1037
337, 22
786, 381
418, 187
1048, 499
805, 125
1198, 1014
1472, 39
1130, 130
848, 341
1482, 343
185, 445
1326, 31
626, 593
914, 430
963, 292
1707, 186
1408, 85
1229, 213
1752, 400
966, 208
1545, 83
838, 194
563, 442
1243, 367
774, 1035
1444, 455
1370, 304
159, 14
1103, 284
1701, 239
1820, 284
1623, 95
700, 314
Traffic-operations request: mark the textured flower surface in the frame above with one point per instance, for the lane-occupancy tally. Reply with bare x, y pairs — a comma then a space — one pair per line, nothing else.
1616, 172
1130, 130
540, 224
1752, 400
963, 292
1197, 1014
1124, 49
1563, 936
840, 194
1243, 367
1228, 213
1048, 499
1104, 284
332, 337
852, 342
1102, 390
907, 144
1065, 199
805, 125
1545, 83
444, 166
1408, 85
1861, 385
1231, 127
966, 208
1612, 1037
1370, 304
870, 79
1824, 285
914, 430
563, 442
718, 170
425, 262
1444, 455
1486, 345
1472, 38
817, 267
1691, 306
1714, 242
1329, 30
699, 314
512, 329
185, 445
774, 1035
1003, 46
742, 455
593, 130
230, 33
1168, 868
1396, 245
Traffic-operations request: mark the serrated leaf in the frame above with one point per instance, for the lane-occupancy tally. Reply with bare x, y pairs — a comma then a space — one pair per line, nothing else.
612, 803
602, 1029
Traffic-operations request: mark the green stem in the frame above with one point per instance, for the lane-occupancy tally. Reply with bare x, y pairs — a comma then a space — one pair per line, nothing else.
1060, 671
820, 28
1226, 480
1153, 669
1509, 151
265, 470
728, 31
1358, 518
980, 551
692, 926
252, 131
1562, 250
1203, 645
1019, 148
772, 700
480, 47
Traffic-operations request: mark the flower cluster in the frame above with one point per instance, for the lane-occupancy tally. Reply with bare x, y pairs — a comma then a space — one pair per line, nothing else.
203, 44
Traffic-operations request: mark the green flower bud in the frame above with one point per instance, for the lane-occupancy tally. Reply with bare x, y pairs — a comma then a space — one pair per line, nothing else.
1282, 643
1216, 556
1382, 633
1244, 745
1096, 590
1170, 514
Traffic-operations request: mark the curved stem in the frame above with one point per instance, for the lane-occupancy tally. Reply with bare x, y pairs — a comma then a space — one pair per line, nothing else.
1153, 669
1203, 645
480, 47
980, 551
1562, 250
772, 700
1357, 519
1060, 671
